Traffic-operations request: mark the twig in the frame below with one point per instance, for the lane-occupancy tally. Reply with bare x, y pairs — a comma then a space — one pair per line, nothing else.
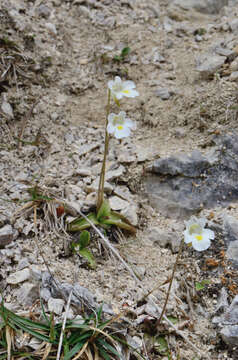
170, 283
63, 326
25, 120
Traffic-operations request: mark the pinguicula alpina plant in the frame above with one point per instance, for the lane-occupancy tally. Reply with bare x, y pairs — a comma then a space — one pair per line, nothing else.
119, 126
199, 238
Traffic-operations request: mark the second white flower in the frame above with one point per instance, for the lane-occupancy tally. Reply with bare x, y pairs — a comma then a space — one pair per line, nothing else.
119, 125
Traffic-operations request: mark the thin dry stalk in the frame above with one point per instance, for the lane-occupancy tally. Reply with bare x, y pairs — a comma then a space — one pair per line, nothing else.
63, 326
170, 283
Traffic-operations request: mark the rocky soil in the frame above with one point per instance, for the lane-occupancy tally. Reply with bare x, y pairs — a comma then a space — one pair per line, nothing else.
56, 58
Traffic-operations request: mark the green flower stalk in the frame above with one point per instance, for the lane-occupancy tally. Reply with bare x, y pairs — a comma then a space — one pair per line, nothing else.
103, 170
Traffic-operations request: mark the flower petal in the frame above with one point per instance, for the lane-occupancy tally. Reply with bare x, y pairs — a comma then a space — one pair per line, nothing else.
201, 245
110, 128
131, 93
187, 237
119, 134
129, 84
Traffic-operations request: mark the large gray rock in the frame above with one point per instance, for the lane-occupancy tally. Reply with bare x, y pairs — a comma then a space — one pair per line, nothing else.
183, 185
203, 6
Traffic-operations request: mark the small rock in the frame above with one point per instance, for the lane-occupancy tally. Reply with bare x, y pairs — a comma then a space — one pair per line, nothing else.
164, 239
234, 25
23, 264
123, 192
81, 171
163, 93
69, 315
232, 251
130, 213
108, 188
85, 149
28, 294
45, 294
209, 65
55, 305
234, 65
223, 51
198, 38
19, 276
114, 174
234, 76
7, 109
126, 157
51, 27
202, 6
229, 335
6, 235
43, 11
117, 203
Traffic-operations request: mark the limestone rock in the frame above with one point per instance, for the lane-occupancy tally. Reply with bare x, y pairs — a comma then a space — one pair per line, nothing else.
229, 334
164, 239
183, 186
203, 6
117, 203
6, 235
28, 294
234, 76
130, 212
7, 109
163, 93
19, 276
55, 305
209, 65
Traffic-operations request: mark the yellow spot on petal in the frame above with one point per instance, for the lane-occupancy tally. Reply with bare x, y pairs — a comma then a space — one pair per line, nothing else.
120, 127
199, 237
126, 91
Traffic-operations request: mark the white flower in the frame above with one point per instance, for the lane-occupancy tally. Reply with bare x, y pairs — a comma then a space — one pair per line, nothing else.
121, 88
196, 235
119, 125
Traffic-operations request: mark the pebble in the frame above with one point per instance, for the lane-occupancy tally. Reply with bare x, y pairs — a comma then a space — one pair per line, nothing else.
117, 203
81, 171
114, 174
55, 305
43, 11
6, 235
130, 213
7, 109
108, 188
164, 239
209, 65
51, 27
234, 25
19, 276
234, 76
163, 93
28, 294
234, 65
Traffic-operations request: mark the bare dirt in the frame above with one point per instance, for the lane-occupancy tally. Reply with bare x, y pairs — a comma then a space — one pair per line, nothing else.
56, 60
